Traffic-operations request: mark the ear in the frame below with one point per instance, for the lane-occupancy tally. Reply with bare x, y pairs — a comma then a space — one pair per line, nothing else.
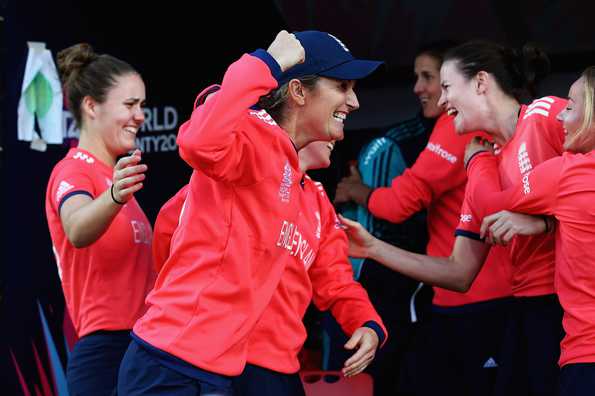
482, 79
297, 92
89, 107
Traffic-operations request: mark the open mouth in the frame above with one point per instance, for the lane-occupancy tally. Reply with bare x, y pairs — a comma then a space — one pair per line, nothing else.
452, 112
331, 146
340, 116
132, 130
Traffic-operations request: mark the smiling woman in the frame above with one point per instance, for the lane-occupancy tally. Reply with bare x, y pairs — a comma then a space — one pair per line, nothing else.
99, 232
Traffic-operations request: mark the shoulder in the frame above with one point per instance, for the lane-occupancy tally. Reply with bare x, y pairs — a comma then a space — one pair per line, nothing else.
544, 109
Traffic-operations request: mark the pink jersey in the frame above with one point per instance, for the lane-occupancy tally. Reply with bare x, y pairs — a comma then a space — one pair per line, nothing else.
105, 283
165, 225
537, 138
562, 187
225, 260
321, 271
437, 182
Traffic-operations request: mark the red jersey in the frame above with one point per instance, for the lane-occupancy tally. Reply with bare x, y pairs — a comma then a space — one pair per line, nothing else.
537, 138
225, 261
437, 182
562, 187
165, 225
321, 270
105, 283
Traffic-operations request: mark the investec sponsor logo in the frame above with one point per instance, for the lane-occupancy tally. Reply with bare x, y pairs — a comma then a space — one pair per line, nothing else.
291, 239
159, 130
540, 107
437, 149
286, 182
525, 167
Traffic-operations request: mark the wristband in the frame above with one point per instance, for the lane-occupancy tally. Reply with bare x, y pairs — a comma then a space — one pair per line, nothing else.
114, 198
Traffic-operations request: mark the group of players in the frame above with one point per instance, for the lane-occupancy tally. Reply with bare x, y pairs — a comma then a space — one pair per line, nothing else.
213, 302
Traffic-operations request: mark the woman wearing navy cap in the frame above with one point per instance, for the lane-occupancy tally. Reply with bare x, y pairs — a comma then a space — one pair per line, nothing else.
229, 250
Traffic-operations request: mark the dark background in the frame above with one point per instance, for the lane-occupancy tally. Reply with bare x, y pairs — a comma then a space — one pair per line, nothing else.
179, 48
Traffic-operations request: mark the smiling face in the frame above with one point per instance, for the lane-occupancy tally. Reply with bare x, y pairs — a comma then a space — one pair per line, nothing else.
327, 106
460, 98
578, 137
121, 115
427, 84
316, 155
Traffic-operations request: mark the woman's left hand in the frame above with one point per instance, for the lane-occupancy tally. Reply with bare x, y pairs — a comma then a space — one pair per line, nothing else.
365, 340
476, 145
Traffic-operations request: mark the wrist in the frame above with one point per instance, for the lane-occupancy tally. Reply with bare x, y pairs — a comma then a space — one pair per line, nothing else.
114, 197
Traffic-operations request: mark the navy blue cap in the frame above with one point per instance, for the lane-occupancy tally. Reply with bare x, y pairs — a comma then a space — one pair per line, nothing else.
327, 56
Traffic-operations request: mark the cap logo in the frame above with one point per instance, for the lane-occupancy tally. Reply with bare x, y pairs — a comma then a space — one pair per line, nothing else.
340, 42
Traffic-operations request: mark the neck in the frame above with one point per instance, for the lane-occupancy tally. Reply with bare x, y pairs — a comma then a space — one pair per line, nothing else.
504, 120
291, 127
90, 142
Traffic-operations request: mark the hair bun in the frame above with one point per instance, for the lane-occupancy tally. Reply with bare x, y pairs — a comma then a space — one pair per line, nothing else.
73, 59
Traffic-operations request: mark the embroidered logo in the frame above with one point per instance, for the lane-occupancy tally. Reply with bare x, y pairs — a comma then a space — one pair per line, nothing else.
63, 188
286, 182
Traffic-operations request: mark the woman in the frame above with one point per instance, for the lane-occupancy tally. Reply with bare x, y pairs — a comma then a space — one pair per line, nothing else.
482, 83
100, 235
560, 187
272, 360
466, 329
226, 258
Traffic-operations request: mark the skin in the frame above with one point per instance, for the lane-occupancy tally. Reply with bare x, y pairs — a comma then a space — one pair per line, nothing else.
364, 340
428, 89
502, 226
108, 131
312, 114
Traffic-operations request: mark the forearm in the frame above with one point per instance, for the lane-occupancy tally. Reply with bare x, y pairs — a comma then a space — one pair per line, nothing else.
87, 224
445, 272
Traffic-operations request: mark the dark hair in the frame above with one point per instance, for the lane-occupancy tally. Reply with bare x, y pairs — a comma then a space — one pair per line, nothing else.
274, 101
436, 49
85, 73
517, 72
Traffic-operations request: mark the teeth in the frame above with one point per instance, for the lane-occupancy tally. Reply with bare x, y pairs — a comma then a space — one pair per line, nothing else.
339, 116
131, 130
451, 112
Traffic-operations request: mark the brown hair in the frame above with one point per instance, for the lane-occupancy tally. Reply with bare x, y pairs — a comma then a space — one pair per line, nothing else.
85, 73
583, 140
275, 100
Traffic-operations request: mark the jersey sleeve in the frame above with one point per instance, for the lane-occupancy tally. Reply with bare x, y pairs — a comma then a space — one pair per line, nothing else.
211, 140
165, 225
536, 194
437, 170
332, 278
71, 179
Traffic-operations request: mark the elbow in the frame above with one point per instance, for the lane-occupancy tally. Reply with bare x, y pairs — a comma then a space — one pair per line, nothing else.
462, 285
77, 239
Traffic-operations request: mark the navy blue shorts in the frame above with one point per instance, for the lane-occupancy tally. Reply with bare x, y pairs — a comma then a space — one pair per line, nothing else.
531, 348
143, 373
463, 351
577, 379
259, 381
93, 365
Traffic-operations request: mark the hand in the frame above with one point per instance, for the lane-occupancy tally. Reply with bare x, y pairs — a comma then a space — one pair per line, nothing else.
361, 242
287, 50
501, 227
365, 340
351, 188
476, 145
128, 176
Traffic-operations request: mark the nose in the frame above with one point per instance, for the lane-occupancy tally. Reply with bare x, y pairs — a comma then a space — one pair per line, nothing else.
139, 115
560, 116
418, 87
352, 101
442, 100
